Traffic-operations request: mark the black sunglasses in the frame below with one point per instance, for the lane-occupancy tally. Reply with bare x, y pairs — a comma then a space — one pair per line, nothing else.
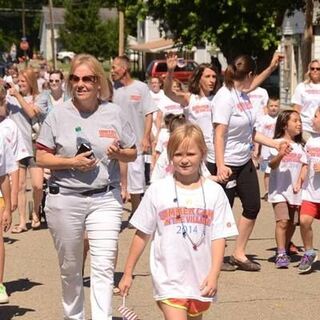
313, 69
85, 79
54, 80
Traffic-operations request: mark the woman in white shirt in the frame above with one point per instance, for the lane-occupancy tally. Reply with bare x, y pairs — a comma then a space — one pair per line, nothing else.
234, 120
306, 97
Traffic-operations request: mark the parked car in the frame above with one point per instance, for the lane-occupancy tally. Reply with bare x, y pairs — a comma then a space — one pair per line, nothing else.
157, 68
65, 56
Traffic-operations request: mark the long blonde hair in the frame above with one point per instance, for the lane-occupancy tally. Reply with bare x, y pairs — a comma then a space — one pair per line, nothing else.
31, 79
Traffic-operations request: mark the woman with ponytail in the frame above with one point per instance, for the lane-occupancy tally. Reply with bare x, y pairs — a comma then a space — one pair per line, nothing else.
234, 130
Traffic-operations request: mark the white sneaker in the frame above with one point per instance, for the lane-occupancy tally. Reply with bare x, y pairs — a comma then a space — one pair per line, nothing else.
3, 294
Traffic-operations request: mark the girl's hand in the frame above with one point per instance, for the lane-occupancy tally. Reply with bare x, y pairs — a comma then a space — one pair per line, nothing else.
6, 220
316, 167
125, 284
209, 286
276, 59
124, 194
224, 173
13, 91
284, 148
171, 61
297, 187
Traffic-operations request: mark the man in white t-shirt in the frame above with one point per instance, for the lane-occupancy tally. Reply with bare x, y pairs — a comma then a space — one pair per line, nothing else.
135, 98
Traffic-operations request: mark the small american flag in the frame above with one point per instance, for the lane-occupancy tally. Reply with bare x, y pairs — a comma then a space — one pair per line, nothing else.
127, 314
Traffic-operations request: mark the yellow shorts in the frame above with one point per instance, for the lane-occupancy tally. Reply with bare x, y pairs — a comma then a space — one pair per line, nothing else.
193, 307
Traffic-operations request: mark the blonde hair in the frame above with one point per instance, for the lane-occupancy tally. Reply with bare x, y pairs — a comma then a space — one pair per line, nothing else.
31, 79
97, 70
186, 134
307, 75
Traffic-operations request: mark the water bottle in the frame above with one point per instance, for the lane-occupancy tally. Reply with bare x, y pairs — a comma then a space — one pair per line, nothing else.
83, 144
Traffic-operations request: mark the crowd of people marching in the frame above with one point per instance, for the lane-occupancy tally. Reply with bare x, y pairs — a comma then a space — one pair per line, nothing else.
97, 142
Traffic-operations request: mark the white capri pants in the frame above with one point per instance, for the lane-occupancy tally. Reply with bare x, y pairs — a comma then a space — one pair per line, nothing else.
68, 216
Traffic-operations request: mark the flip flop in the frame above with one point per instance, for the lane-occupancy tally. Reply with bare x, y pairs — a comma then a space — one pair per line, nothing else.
35, 224
18, 229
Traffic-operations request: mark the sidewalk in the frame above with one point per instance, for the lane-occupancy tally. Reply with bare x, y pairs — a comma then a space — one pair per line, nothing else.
32, 280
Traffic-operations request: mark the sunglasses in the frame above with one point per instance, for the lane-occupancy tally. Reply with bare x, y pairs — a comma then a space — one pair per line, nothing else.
314, 69
85, 79
54, 80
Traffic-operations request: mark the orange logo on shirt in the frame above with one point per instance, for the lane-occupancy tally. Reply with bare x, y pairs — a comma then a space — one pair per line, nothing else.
187, 215
108, 133
135, 97
200, 109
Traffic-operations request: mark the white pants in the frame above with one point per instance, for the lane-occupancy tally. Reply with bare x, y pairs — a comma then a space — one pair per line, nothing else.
136, 178
68, 216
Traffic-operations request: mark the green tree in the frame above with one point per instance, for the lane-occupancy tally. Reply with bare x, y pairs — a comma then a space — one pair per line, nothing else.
235, 26
83, 30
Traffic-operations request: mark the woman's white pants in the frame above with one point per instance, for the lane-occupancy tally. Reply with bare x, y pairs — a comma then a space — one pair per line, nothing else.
68, 216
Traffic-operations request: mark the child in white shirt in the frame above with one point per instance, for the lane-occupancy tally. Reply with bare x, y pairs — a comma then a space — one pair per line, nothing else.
285, 181
266, 125
310, 207
187, 217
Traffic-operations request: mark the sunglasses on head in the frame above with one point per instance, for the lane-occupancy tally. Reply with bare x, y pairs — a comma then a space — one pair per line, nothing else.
313, 69
85, 79
54, 80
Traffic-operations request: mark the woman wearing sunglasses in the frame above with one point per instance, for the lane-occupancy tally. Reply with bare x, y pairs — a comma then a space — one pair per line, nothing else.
56, 93
306, 97
82, 142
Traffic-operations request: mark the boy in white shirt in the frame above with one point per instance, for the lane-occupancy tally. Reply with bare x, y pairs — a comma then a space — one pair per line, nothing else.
266, 125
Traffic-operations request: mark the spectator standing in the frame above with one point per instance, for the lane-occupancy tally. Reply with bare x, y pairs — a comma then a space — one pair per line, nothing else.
27, 108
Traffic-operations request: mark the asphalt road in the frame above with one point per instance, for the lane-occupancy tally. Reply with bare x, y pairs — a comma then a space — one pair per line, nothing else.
33, 283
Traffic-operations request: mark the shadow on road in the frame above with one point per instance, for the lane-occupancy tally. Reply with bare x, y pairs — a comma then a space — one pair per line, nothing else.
10, 312
9, 240
20, 285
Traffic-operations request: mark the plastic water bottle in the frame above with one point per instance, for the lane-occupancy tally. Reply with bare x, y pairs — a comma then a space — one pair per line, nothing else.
82, 142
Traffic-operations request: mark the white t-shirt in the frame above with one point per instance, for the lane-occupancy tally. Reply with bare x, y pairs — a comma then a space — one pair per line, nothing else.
22, 120
199, 111
234, 109
136, 101
259, 99
163, 139
156, 97
13, 136
307, 95
311, 187
177, 269
163, 168
266, 126
283, 178
8, 163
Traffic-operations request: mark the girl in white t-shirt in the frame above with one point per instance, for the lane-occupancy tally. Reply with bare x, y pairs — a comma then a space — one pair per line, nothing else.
310, 207
187, 218
285, 181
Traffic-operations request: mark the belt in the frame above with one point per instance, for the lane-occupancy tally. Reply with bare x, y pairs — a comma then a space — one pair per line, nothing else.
94, 191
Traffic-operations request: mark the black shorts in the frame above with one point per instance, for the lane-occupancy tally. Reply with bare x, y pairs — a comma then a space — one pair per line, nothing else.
28, 162
247, 187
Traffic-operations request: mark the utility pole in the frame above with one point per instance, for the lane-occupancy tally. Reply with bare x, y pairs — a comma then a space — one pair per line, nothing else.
121, 32
54, 57
307, 36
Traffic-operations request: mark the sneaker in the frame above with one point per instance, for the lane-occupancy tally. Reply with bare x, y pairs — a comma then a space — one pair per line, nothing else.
282, 261
3, 294
306, 262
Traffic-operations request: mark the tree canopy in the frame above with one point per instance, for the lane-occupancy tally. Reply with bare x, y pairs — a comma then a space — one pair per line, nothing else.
235, 26
84, 31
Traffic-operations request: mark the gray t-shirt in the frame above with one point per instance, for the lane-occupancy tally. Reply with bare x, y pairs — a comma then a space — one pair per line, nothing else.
136, 100
22, 120
100, 128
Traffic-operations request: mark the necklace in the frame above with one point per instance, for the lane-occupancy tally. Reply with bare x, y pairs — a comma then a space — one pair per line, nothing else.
185, 233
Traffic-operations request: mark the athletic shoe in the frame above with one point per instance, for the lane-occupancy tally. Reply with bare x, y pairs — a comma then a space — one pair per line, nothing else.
306, 262
282, 261
3, 294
